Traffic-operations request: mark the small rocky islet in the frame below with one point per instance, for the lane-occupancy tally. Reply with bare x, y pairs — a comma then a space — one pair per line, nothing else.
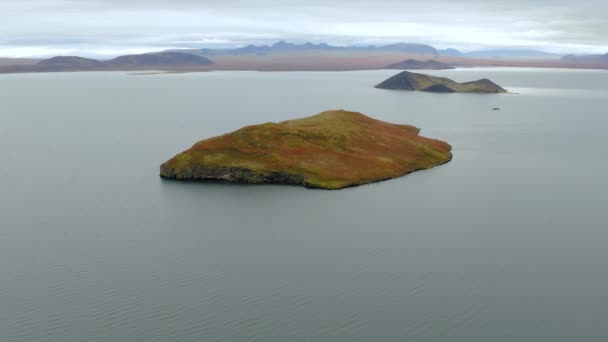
331, 150
420, 82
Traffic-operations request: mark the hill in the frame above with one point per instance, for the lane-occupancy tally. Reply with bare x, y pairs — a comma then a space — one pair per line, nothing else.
412, 81
61, 62
161, 59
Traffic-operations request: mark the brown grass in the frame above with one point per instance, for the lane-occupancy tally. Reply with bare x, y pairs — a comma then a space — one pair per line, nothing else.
333, 149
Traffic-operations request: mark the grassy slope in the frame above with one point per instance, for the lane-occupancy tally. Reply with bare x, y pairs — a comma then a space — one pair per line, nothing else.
333, 149
479, 86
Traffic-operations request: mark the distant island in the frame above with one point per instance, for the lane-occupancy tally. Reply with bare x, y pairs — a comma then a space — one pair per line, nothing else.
169, 60
412, 64
411, 81
68, 62
331, 150
161, 59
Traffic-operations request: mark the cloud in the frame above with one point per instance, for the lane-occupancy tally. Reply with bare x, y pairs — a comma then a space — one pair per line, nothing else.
117, 26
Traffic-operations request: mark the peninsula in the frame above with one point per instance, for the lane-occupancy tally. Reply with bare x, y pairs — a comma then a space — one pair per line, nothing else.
331, 150
411, 81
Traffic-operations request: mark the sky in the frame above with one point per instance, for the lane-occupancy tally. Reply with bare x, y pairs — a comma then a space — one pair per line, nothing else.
106, 28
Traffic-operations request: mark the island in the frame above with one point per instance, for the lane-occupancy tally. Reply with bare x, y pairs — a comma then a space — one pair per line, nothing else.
331, 150
412, 64
170, 61
69, 62
411, 81
161, 59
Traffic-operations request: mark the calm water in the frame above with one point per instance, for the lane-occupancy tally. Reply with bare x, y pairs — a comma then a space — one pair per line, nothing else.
509, 242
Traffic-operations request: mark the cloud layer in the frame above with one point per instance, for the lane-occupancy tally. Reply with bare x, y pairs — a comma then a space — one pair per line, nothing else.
110, 27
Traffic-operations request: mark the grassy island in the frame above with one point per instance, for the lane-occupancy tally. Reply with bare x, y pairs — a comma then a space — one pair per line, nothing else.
331, 150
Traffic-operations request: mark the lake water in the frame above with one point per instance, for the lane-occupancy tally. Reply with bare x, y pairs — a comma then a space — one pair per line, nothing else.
508, 242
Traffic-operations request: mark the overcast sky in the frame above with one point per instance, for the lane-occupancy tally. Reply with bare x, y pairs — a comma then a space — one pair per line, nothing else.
97, 28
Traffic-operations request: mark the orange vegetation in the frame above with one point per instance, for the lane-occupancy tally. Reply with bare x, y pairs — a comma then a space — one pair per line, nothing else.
332, 150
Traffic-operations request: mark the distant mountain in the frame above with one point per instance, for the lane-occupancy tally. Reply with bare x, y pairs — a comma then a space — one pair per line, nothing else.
511, 54
162, 59
284, 47
602, 59
451, 53
280, 46
70, 62
578, 58
412, 64
252, 49
410, 48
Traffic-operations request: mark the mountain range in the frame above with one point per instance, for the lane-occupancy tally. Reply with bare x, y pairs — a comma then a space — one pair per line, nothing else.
410, 48
284, 56
283, 47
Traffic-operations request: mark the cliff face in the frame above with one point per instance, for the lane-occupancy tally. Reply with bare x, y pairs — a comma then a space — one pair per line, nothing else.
420, 82
230, 174
330, 150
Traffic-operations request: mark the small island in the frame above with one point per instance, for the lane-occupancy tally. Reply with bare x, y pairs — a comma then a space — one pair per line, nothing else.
411, 81
412, 64
331, 150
